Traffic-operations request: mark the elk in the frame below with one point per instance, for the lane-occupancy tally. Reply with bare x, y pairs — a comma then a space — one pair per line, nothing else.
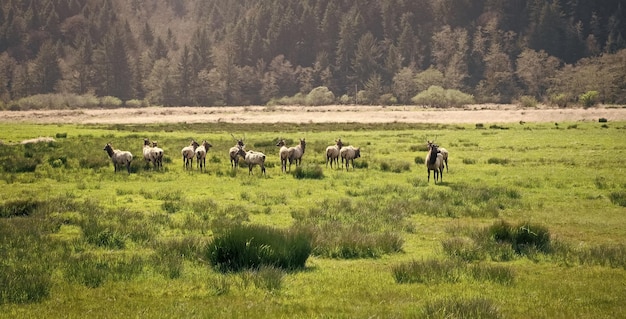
332, 153
296, 153
157, 155
233, 153
434, 162
189, 152
119, 158
252, 158
284, 155
201, 154
443, 152
349, 153
146, 151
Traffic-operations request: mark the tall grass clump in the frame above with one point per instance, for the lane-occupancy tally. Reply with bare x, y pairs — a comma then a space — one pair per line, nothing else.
396, 166
347, 229
18, 207
461, 308
427, 271
308, 171
92, 270
25, 264
253, 246
618, 198
524, 238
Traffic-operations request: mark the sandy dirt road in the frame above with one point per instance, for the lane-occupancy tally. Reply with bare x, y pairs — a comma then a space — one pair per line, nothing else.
320, 114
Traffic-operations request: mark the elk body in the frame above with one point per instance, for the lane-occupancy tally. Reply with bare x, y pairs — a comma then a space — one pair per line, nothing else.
119, 158
189, 152
201, 154
233, 153
157, 155
284, 155
332, 153
253, 158
434, 162
296, 153
349, 153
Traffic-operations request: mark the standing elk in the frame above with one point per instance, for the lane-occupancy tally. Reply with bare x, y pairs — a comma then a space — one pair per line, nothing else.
349, 153
146, 152
284, 155
443, 152
157, 155
233, 153
296, 153
201, 154
253, 158
434, 162
189, 152
332, 153
119, 158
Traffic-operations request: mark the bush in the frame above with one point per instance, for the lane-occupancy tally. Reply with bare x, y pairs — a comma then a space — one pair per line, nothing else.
253, 246
589, 98
437, 96
559, 100
136, 103
110, 102
528, 101
320, 95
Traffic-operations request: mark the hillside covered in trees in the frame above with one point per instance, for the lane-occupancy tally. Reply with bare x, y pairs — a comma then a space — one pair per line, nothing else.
243, 52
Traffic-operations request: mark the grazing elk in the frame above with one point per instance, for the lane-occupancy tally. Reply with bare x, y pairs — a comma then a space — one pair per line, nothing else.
332, 153
434, 162
119, 158
253, 158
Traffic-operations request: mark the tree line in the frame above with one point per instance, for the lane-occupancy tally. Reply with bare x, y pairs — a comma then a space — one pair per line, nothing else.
242, 52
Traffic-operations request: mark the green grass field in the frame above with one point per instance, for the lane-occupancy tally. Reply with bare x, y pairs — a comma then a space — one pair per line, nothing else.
529, 222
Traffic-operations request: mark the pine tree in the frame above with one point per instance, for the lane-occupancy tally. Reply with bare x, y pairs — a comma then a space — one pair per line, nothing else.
46, 69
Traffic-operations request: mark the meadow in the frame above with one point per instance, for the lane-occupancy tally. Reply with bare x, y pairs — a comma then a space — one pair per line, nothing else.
529, 222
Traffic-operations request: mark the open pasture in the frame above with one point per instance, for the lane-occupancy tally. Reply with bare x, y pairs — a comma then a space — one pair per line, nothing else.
529, 222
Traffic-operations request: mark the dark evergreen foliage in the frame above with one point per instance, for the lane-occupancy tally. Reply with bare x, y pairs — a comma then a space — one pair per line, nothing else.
241, 52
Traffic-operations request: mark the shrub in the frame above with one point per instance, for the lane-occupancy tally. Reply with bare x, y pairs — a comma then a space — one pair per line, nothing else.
559, 100
110, 102
436, 96
136, 103
253, 246
589, 98
528, 101
320, 95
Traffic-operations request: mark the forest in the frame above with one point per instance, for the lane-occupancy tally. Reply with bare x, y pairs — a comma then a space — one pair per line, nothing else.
245, 52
